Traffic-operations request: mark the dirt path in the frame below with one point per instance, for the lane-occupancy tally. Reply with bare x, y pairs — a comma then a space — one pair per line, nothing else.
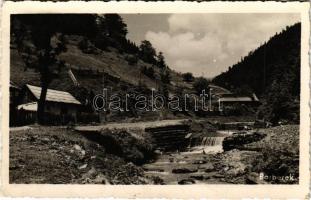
134, 125
21, 128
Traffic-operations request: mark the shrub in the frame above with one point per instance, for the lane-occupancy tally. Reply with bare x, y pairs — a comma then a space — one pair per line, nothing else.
188, 77
166, 77
124, 144
278, 163
131, 59
148, 71
83, 44
86, 46
200, 84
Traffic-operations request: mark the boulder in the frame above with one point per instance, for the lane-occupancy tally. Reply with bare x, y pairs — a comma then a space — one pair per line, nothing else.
197, 177
186, 181
199, 162
183, 170
239, 139
156, 180
100, 179
82, 166
209, 168
253, 178
45, 140
218, 176
77, 147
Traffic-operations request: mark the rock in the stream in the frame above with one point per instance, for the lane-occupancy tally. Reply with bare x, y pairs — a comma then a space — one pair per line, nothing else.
186, 181
82, 166
238, 140
156, 180
45, 140
100, 179
199, 162
251, 178
77, 147
219, 176
209, 168
200, 177
153, 169
183, 170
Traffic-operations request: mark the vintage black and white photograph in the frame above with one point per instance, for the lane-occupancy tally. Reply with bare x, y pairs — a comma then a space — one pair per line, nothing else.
155, 99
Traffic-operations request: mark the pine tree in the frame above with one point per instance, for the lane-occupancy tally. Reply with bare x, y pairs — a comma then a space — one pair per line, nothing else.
115, 26
161, 61
147, 52
165, 76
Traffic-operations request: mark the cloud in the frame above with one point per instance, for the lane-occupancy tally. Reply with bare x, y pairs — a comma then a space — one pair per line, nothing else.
209, 43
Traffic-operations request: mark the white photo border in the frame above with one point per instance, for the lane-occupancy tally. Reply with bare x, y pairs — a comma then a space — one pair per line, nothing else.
231, 191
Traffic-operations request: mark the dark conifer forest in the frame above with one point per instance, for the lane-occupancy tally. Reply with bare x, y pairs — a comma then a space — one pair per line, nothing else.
272, 71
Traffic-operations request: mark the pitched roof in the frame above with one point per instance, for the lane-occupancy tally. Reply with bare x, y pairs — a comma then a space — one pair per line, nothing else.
53, 95
236, 99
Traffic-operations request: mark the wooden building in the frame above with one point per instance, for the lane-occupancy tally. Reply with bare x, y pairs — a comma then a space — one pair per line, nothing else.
60, 106
228, 101
232, 98
14, 93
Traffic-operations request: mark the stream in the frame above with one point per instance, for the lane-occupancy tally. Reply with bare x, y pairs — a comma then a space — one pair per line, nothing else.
195, 165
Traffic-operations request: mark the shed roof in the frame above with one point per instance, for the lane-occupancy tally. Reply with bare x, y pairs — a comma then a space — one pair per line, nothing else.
32, 106
53, 95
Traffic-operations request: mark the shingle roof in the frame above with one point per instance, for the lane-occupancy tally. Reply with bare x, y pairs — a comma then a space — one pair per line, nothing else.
236, 99
53, 95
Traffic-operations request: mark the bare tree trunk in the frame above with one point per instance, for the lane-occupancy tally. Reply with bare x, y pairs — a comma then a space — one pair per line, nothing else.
41, 102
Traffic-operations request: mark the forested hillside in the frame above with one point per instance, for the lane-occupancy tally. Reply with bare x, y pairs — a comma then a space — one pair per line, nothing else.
272, 71
92, 44
96, 50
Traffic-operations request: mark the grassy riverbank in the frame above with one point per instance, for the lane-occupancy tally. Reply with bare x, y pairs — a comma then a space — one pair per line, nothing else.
61, 155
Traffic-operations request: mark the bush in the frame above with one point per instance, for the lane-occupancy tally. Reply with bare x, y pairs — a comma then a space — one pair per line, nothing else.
166, 77
86, 46
124, 144
148, 71
200, 84
83, 44
277, 163
131, 59
102, 42
188, 77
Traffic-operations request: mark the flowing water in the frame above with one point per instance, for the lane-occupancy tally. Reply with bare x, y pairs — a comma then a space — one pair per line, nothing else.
207, 145
195, 158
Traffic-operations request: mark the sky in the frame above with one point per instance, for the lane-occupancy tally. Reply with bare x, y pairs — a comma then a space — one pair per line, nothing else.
206, 44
